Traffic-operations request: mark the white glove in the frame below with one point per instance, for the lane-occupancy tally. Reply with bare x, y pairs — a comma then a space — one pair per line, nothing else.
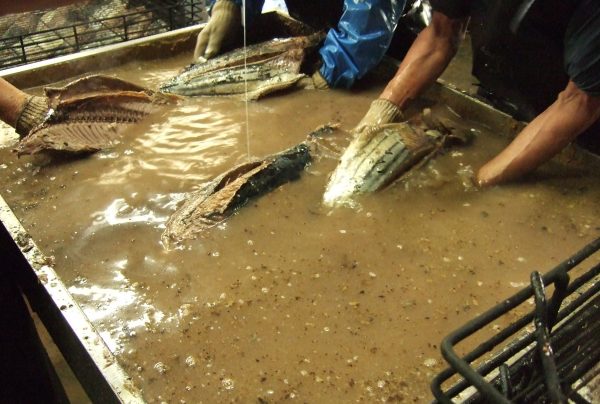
33, 113
319, 81
380, 112
225, 21
316, 81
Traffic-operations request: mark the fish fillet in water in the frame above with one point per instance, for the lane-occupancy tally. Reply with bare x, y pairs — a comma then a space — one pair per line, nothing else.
264, 68
224, 195
381, 154
89, 114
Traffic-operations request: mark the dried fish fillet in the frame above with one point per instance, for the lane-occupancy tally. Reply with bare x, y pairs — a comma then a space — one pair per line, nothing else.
261, 69
88, 86
256, 79
224, 195
231, 190
89, 114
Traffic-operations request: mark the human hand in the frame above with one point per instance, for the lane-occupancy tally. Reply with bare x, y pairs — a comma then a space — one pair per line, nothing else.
225, 20
380, 112
32, 114
316, 81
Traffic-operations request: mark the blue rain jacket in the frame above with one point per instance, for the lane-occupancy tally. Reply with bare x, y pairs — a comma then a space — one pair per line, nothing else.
361, 39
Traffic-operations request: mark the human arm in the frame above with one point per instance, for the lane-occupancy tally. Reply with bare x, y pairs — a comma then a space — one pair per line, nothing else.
576, 108
19, 109
426, 59
362, 37
225, 22
12, 101
572, 113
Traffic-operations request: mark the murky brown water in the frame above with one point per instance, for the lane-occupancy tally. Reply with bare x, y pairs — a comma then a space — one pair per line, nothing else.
287, 299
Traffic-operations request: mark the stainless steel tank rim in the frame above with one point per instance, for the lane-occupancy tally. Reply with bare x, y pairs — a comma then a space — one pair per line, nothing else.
82, 329
85, 54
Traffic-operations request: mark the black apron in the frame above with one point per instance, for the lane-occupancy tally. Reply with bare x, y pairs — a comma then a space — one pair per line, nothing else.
520, 70
519, 59
317, 14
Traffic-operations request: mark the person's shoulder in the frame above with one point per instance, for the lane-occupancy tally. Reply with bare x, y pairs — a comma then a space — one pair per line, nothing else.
452, 8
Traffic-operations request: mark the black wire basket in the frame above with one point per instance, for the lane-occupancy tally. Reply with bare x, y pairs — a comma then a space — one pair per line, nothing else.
44, 34
549, 355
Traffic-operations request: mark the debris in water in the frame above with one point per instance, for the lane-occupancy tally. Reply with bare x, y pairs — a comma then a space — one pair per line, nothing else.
228, 384
190, 361
430, 362
161, 368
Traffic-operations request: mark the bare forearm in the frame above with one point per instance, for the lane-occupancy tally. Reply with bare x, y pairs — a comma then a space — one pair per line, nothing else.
572, 113
11, 102
427, 58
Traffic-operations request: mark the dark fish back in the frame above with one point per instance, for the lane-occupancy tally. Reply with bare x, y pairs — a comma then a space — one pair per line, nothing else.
230, 191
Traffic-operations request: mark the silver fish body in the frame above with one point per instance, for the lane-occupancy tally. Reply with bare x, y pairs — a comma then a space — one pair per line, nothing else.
376, 157
260, 69
255, 79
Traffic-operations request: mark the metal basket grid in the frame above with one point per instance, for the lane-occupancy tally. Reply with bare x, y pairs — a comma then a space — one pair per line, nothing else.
552, 354
44, 34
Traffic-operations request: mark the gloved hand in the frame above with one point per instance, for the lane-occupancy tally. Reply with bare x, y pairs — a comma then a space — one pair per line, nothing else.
319, 81
32, 114
316, 81
381, 112
225, 20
